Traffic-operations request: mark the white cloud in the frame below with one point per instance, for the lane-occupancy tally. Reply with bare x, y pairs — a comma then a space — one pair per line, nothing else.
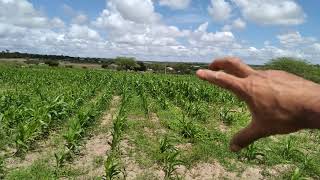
57, 23
293, 39
83, 32
220, 10
131, 31
77, 17
9, 30
237, 24
138, 11
202, 38
272, 12
128, 33
316, 46
80, 19
175, 4
21, 13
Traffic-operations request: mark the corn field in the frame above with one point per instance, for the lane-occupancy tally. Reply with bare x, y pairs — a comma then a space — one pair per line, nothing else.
163, 127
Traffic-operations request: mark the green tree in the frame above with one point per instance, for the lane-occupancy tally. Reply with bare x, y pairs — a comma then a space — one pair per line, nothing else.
295, 66
126, 63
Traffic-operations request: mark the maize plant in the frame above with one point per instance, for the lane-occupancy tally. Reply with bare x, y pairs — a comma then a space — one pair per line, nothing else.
289, 151
188, 128
62, 157
252, 152
165, 145
170, 164
170, 158
112, 167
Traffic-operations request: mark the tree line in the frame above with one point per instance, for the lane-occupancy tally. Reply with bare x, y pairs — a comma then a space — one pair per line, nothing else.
118, 63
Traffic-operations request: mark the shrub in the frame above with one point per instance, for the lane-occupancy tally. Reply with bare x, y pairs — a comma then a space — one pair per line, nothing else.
295, 66
52, 63
32, 61
105, 66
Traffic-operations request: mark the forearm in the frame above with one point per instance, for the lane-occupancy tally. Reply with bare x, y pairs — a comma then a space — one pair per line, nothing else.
312, 112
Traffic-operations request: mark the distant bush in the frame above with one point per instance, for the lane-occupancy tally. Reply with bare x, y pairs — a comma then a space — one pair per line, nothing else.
69, 66
105, 66
126, 63
52, 63
32, 61
295, 66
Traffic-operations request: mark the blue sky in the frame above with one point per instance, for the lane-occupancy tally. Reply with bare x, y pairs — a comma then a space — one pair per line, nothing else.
170, 30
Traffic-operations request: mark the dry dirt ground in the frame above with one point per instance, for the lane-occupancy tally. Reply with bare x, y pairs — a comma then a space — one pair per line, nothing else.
96, 147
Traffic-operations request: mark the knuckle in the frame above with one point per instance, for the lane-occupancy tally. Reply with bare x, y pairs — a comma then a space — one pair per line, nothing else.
236, 60
233, 61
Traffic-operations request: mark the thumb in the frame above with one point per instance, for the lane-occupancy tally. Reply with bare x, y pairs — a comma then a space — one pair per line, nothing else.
246, 137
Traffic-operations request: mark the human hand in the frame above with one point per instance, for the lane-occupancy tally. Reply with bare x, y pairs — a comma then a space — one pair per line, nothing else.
279, 102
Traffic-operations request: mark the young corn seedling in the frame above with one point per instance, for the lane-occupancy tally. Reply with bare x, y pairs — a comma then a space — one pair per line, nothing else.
73, 134
289, 151
188, 129
24, 135
165, 145
297, 175
252, 152
170, 158
144, 98
118, 127
171, 162
112, 167
62, 157
226, 116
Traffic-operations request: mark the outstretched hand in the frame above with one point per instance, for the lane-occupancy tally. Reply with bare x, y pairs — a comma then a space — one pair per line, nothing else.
279, 102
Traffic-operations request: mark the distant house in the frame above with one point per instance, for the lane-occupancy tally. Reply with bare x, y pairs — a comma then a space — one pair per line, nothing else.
170, 69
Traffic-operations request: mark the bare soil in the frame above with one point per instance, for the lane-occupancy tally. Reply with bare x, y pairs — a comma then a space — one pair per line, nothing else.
43, 148
98, 145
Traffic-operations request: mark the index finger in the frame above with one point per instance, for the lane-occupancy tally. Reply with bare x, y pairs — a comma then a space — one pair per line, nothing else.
224, 80
232, 65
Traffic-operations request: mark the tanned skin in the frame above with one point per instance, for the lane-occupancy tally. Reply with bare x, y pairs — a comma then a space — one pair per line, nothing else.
279, 102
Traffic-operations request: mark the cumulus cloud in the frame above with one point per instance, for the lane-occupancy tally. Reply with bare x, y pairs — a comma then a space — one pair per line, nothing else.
9, 30
80, 19
293, 39
136, 29
272, 12
202, 37
237, 24
21, 13
83, 32
139, 11
57, 23
220, 10
131, 31
77, 17
175, 4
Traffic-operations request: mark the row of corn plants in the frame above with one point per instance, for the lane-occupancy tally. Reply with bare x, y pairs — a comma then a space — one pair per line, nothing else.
78, 125
112, 163
38, 100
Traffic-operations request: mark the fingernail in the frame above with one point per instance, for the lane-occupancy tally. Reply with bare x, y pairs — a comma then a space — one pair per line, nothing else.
235, 148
